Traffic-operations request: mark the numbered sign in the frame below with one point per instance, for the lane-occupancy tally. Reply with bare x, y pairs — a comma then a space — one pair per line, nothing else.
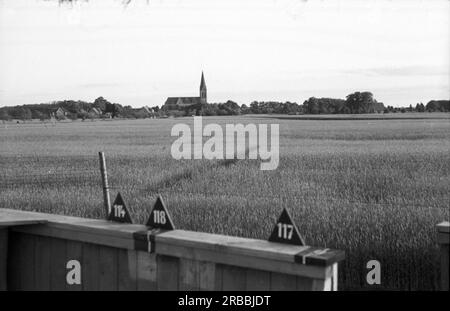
159, 217
119, 211
286, 231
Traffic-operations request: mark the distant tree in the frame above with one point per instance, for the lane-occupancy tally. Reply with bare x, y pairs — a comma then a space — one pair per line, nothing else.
312, 106
83, 115
36, 114
419, 107
363, 102
101, 103
4, 115
254, 107
116, 110
72, 116
324, 105
23, 114
438, 106
358, 102
245, 109
230, 108
209, 110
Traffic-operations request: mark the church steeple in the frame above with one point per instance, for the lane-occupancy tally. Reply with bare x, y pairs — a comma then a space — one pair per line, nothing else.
203, 90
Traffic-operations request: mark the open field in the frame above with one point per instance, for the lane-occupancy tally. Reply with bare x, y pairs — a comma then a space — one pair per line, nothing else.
372, 187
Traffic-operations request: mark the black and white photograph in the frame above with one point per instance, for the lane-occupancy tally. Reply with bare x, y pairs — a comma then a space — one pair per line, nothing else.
244, 146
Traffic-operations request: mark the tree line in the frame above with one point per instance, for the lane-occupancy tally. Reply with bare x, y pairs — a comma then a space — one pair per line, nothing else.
71, 109
355, 103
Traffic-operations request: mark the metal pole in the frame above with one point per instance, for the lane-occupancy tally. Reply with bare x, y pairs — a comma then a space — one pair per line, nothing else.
106, 199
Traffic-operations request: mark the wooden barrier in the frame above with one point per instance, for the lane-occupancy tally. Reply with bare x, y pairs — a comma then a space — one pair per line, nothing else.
129, 257
444, 240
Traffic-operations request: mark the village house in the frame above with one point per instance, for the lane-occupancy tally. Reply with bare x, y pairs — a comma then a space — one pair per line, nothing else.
144, 112
59, 113
95, 111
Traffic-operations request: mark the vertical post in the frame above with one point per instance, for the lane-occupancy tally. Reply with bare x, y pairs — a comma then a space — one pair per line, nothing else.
106, 200
444, 240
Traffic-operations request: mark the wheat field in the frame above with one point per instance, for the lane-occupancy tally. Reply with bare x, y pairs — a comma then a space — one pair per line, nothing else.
373, 186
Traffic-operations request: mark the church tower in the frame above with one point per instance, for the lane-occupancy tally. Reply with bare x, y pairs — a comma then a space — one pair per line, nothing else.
203, 90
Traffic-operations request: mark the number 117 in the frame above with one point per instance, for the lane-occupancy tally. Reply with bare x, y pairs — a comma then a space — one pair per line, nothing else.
285, 231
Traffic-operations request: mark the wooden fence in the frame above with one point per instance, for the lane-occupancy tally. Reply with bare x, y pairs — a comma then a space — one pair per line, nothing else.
36, 251
444, 240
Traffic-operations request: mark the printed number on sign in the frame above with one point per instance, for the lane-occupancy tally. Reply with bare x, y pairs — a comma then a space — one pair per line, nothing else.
119, 211
159, 217
285, 231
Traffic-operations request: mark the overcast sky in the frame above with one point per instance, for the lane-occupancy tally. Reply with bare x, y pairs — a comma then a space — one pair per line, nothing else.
249, 50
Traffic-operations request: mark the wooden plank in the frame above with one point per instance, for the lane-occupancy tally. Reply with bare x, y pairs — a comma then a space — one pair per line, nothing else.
258, 280
3, 259
21, 262
245, 261
146, 271
107, 261
72, 223
443, 238
27, 245
90, 267
283, 282
334, 278
230, 244
218, 277
315, 256
43, 269
207, 275
76, 228
304, 284
127, 270
233, 278
167, 272
14, 253
7, 213
250, 247
444, 227
81, 234
445, 267
9, 218
58, 264
189, 278
96, 226
322, 285
74, 251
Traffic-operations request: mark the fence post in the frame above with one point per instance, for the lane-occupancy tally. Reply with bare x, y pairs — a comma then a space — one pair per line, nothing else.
106, 200
444, 239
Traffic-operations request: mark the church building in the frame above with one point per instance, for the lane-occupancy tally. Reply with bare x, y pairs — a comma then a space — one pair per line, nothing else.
182, 102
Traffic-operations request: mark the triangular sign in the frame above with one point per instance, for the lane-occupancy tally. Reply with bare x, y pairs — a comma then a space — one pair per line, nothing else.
119, 211
160, 217
286, 231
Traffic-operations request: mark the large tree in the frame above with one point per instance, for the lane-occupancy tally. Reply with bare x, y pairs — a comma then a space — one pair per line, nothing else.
363, 102
4, 115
